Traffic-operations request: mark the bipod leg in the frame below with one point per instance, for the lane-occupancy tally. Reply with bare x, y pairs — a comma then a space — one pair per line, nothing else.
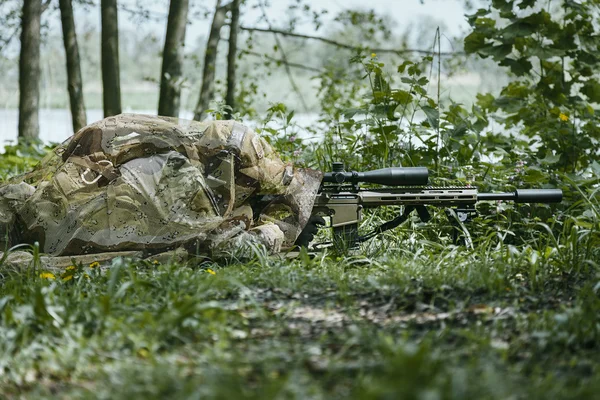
458, 217
395, 222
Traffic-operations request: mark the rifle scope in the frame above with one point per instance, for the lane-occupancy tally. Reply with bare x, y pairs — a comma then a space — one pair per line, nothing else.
395, 176
526, 196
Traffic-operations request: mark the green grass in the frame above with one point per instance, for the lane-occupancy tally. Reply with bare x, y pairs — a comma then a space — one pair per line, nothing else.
409, 315
427, 322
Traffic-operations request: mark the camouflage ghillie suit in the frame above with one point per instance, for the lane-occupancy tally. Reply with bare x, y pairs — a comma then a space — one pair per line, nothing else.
137, 182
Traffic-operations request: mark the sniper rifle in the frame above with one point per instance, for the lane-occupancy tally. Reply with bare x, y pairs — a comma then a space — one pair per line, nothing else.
343, 200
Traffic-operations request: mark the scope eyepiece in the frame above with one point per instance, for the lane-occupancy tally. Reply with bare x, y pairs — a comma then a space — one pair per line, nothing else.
395, 176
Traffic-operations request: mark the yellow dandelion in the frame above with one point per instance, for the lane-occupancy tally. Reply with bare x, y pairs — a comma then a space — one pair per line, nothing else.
67, 278
155, 262
563, 117
86, 276
373, 55
210, 271
47, 275
94, 264
71, 268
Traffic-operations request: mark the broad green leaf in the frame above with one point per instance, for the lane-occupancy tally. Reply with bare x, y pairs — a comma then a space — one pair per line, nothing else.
289, 117
403, 66
503, 5
351, 112
519, 67
433, 116
498, 52
596, 168
526, 3
550, 158
474, 42
545, 52
402, 96
534, 175
486, 101
592, 90
519, 28
476, 15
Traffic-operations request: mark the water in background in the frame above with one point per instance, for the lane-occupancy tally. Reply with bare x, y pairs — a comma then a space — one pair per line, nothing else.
55, 124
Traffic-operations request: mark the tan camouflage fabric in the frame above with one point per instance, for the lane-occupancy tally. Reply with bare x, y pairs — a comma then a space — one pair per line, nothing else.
139, 182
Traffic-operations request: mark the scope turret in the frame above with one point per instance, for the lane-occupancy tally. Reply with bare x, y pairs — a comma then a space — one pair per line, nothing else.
395, 176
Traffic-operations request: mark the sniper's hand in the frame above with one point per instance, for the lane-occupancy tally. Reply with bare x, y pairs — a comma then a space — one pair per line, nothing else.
308, 233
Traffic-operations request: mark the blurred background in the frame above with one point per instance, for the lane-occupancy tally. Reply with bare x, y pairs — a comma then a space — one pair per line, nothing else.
286, 52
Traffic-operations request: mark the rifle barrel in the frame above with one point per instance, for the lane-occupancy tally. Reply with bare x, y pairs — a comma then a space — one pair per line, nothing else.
526, 196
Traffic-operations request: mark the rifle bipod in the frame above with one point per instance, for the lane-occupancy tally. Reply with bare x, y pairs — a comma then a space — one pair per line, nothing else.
346, 237
458, 217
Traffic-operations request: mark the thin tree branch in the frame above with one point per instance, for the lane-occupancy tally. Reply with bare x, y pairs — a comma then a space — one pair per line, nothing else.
45, 5
280, 61
10, 38
14, 33
284, 58
344, 45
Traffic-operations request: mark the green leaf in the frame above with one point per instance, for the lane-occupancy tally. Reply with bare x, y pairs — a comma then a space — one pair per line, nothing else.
519, 28
485, 25
544, 52
433, 116
39, 305
503, 5
351, 112
386, 130
486, 101
526, 3
596, 168
572, 4
402, 96
4, 301
519, 67
403, 66
592, 90
498, 52
534, 175
475, 42
479, 13
550, 158
289, 117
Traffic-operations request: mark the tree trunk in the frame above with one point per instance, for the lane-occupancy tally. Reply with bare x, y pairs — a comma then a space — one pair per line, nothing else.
207, 91
231, 56
74, 82
111, 84
170, 77
29, 70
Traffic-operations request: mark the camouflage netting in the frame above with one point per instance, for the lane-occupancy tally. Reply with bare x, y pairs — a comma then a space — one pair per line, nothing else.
138, 182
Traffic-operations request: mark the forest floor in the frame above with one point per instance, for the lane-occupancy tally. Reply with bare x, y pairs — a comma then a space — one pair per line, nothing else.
420, 324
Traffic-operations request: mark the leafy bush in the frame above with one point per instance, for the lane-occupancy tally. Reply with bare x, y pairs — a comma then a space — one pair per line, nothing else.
21, 157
